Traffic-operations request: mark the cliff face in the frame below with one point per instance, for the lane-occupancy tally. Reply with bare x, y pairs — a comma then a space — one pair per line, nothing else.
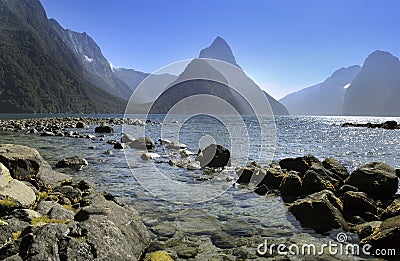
38, 72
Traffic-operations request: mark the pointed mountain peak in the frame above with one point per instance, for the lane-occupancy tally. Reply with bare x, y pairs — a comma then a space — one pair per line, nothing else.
220, 50
380, 56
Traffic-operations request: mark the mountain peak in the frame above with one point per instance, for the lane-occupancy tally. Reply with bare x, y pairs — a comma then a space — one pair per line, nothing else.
220, 50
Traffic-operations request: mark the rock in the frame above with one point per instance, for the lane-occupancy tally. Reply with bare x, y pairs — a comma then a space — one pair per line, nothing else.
150, 156
378, 180
389, 125
14, 193
81, 125
158, 256
175, 145
23, 162
273, 178
320, 211
238, 228
343, 189
245, 174
5, 234
164, 230
334, 166
299, 164
317, 178
214, 156
261, 190
107, 152
104, 129
225, 241
366, 229
359, 204
61, 213
386, 236
127, 138
73, 194
26, 214
392, 210
43, 207
398, 173
142, 144
291, 184
76, 162
186, 252
47, 134
184, 153
119, 146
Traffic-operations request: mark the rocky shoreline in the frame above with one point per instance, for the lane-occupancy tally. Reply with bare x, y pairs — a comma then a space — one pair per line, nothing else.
388, 125
324, 196
56, 215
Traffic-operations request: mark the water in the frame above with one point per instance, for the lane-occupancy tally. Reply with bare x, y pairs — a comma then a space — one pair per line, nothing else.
266, 217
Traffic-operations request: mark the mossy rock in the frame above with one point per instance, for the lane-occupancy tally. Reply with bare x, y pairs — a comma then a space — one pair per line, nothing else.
45, 219
158, 256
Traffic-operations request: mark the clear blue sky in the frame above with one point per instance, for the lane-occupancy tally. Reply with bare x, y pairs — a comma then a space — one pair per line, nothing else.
284, 45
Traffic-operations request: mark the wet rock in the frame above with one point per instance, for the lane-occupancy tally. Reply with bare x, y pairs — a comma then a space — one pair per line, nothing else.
175, 145
214, 156
389, 125
261, 190
75, 162
291, 184
238, 228
360, 204
73, 194
47, 134
119, 146
184, 153
317, 178
334, 166
150, 156
366, 229
127, 138
225, 241
185, 252
104, 129
392, 210
386, 236
273, 178
164, 230
378, 180
321, 211
343, 189
14, 193
142, 144
81, 125
299, 164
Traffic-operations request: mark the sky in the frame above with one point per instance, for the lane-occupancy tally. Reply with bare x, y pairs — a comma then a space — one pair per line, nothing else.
284, 45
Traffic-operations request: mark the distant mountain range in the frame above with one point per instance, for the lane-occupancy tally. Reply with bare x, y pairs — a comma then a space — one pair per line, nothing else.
370, 90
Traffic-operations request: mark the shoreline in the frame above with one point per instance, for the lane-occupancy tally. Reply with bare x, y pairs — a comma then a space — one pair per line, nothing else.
194, 246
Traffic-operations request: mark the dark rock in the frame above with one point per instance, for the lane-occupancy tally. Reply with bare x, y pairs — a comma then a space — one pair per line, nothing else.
43, 207
273, 178
320, 211
118, 146
186, 252
72, 162
61, 213
104, 129
238, 228
225, 241
392, 210
386, 236
214, 156
389, 125
81, 125
334, 166
142, 144
398, 173
317, 178
164, 230
366, 229
343, 189
47, 134
359, 203
261, 190
5, 234
378, 180
299, 164
291, 184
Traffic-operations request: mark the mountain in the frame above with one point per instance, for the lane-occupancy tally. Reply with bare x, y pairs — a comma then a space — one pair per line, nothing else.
220, 50
38, 72
97, 69
325, 98
375, 90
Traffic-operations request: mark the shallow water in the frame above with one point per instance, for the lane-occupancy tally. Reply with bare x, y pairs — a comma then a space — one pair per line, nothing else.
266, 217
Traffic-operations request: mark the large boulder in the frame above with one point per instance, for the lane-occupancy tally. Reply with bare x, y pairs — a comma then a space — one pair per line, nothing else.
299, 164
104, 129
386, 236
214, 156
252, 173
75, 162
360, 204
377, 179
14, 193
291, 184
337, 168
273, 178
321, 211
127, 138
389, 125
317, 178
23, 162
392, 210
145, 143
